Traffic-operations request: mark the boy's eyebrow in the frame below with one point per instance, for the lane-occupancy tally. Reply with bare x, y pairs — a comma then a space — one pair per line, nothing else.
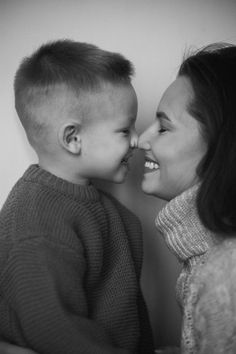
132, 120
160, 114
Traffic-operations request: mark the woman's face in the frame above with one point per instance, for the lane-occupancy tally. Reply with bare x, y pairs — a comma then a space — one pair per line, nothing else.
173, 144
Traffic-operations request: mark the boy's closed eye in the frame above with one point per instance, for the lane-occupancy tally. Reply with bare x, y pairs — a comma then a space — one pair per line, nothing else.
126, 131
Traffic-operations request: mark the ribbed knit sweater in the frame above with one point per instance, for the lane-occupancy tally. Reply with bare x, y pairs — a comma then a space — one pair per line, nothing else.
70, 263
206, 287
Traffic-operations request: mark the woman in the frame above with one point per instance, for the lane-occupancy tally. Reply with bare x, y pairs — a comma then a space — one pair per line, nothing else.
190, 161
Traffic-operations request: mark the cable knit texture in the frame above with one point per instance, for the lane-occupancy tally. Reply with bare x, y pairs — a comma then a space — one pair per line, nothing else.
70, 263
206, 287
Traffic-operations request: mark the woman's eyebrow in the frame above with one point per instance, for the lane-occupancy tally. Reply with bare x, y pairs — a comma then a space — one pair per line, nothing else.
160, 114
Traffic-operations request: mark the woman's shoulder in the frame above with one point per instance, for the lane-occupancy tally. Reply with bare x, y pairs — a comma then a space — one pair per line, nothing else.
223, 252
212, 300
212, 285
220, 265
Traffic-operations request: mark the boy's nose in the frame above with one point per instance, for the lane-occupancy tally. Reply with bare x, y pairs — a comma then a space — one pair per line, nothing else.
134, 140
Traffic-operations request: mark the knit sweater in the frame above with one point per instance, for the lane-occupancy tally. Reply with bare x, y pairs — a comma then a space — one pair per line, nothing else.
70, 263
206, 287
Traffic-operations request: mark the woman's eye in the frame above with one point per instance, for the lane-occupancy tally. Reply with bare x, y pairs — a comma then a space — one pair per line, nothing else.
161, 130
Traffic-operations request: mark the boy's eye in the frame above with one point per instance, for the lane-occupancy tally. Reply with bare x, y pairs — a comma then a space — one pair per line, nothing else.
126, 131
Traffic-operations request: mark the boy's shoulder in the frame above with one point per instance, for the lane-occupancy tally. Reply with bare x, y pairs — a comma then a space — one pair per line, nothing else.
33, 204
24, 193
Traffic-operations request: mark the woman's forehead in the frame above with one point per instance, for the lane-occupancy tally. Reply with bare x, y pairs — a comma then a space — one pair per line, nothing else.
175, 100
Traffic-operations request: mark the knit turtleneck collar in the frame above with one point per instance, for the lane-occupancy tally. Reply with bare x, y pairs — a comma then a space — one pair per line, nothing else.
82, 192
181, 227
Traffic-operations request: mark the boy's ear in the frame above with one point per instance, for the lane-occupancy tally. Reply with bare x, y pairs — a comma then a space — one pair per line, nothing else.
69, 137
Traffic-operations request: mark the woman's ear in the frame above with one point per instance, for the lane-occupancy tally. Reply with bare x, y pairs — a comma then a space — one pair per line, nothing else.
69, 137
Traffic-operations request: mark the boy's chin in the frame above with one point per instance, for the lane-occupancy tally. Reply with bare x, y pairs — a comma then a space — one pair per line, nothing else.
116, 176
119, 180
120, 177
115, 179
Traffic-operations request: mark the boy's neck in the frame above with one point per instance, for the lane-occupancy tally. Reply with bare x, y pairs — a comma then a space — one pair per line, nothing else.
64, 172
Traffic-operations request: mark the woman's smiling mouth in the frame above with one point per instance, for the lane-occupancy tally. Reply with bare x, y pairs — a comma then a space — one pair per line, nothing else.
150, 165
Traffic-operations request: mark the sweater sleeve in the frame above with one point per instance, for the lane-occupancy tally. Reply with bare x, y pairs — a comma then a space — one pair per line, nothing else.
214, 317
42, 286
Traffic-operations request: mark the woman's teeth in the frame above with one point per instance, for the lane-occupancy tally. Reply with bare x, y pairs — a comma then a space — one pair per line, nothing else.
151, 165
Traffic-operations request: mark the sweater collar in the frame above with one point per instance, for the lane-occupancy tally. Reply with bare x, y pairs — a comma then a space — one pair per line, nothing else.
82, 192
181, 227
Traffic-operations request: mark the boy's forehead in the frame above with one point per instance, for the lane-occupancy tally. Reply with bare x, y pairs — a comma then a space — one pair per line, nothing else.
112, 102
116, 93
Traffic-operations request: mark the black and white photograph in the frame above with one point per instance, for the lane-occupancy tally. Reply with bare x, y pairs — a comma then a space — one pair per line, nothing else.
118, 177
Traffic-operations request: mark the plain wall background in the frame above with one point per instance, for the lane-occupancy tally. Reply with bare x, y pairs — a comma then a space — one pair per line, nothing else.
154, 35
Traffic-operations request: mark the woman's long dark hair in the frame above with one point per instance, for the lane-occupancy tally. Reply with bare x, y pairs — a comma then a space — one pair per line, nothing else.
212, 73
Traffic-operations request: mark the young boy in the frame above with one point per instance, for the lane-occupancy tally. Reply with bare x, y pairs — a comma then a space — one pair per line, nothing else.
71, 255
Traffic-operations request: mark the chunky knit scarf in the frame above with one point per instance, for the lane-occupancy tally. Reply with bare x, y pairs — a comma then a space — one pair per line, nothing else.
189, 241
181, 228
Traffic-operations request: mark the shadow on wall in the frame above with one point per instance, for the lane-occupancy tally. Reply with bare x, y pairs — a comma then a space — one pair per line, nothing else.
160, 268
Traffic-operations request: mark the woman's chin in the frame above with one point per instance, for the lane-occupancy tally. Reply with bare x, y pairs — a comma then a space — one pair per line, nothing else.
154, 191
147, 189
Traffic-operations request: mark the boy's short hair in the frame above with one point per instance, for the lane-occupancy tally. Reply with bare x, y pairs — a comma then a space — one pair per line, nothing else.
80, 67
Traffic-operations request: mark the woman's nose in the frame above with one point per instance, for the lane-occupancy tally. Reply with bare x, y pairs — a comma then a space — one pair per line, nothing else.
143, 141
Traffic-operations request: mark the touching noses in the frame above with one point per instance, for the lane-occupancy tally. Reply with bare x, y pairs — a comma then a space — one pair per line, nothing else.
143, 140
134, 139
